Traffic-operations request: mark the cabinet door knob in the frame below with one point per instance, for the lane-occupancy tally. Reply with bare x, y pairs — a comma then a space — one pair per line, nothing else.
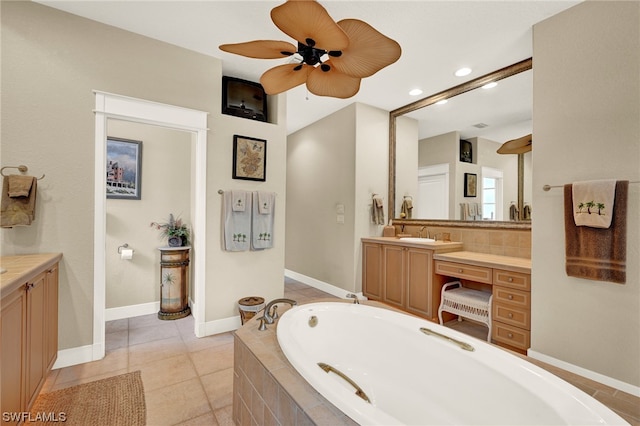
510, 297
510, 315
460, 270
510, 335
510, 279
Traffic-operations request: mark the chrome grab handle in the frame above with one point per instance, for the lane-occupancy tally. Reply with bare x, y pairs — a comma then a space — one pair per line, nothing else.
463, 345
328, 368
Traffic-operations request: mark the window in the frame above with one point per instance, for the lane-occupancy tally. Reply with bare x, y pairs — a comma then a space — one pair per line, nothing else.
491, 194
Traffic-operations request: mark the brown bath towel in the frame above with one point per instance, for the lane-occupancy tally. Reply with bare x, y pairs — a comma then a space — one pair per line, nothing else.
598, 254
15, 211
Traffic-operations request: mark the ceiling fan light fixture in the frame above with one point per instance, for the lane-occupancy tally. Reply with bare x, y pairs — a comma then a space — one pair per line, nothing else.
462, 72
342, 53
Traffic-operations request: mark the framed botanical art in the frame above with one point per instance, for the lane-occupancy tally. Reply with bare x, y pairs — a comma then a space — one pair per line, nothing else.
124, 168
249, 158
470, 185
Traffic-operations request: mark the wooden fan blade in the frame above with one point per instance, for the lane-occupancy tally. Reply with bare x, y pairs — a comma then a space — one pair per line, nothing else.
307, 19
332, 83
261, 49
369, 50
284, 77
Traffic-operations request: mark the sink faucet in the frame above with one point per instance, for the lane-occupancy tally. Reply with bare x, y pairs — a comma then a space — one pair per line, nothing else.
420, 232
268, 317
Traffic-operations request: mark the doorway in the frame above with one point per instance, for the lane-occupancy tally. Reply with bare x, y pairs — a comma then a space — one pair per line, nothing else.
433, 192
112, 106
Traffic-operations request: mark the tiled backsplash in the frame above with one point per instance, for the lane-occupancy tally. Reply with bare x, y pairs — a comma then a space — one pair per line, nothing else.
506, 242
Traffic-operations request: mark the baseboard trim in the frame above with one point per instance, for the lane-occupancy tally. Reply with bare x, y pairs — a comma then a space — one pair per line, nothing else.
320, 285
74, 356
222, 325
131, 311
600, 378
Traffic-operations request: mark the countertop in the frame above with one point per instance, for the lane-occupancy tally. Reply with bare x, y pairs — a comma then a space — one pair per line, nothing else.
24, 268
437, 246
509, 263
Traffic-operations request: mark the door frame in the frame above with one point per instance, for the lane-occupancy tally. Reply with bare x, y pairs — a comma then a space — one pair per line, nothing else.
113, 106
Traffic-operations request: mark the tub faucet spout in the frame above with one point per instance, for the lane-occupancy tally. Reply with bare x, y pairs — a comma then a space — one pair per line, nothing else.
354, 297
270, 317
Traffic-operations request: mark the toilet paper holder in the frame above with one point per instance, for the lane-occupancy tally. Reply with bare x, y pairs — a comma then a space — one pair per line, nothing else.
125, 245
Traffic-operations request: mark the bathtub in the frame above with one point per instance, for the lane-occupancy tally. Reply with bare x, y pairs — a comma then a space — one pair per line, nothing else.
413, 377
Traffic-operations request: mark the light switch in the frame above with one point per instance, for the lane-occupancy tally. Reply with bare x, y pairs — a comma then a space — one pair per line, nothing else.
340, 208
340, 218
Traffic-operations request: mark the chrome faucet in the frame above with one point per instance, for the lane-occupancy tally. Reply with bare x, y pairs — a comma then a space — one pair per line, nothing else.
420, 232
354, 297
268, 317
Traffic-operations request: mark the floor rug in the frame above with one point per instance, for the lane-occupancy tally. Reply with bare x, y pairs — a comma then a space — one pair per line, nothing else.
114, 401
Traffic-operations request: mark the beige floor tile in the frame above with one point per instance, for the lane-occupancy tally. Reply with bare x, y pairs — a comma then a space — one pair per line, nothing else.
152, 332
224, 416
213, 359
167, 372
116, 325
195, 344
82, 380
219, 388
208, 419
116, 360
116, 340
145, 321
177, 403
155, 350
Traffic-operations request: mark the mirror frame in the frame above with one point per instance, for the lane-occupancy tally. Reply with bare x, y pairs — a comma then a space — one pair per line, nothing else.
476, 83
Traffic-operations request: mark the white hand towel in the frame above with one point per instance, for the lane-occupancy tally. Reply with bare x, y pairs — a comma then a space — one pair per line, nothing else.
239, 200
593, 203
265, 201
236, 225
262, 224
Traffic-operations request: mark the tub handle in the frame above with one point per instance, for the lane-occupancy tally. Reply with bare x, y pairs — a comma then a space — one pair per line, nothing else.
463, 345
328, 368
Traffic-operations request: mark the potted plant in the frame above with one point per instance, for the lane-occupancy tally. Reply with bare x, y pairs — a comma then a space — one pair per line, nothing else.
176, 232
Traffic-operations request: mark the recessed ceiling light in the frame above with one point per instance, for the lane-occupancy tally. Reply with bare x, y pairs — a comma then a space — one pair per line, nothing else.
462, 72
490, 85
442, 102
415, 92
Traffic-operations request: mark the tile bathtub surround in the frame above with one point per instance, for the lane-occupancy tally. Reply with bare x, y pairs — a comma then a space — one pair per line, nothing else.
189, 381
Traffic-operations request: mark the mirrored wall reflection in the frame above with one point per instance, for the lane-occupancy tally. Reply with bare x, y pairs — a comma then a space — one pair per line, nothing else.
460, 175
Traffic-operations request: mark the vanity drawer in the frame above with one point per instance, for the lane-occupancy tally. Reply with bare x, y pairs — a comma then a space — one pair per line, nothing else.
512, 336
464, 271
515, 280
510, 314
509, 296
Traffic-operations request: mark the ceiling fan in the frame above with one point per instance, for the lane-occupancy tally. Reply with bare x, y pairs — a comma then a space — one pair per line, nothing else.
517, 146
331, 58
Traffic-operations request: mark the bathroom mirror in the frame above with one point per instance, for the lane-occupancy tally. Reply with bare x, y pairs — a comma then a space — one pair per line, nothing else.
459, 123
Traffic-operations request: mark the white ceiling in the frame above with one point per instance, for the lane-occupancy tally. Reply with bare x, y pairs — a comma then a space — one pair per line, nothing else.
437, 37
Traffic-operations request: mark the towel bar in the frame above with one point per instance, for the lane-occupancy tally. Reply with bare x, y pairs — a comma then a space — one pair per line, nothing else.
549, 187
21, 168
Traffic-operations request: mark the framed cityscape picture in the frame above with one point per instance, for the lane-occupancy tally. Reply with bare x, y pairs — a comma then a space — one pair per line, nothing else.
124, 168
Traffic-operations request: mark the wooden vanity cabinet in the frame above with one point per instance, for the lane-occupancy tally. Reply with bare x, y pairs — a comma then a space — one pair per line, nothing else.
400, 276
511, 303
29, 324
372, 270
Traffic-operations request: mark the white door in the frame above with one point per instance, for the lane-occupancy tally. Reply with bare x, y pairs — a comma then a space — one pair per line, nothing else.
433, 195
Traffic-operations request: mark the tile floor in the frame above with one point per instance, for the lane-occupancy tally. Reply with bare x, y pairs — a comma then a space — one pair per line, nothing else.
189, 381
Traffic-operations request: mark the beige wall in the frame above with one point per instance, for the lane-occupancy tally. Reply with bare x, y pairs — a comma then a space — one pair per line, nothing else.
586, 126
51, 62
339, 160
166, 183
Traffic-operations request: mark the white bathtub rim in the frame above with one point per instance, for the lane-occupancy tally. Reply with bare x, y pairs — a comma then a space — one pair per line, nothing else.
345, 399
